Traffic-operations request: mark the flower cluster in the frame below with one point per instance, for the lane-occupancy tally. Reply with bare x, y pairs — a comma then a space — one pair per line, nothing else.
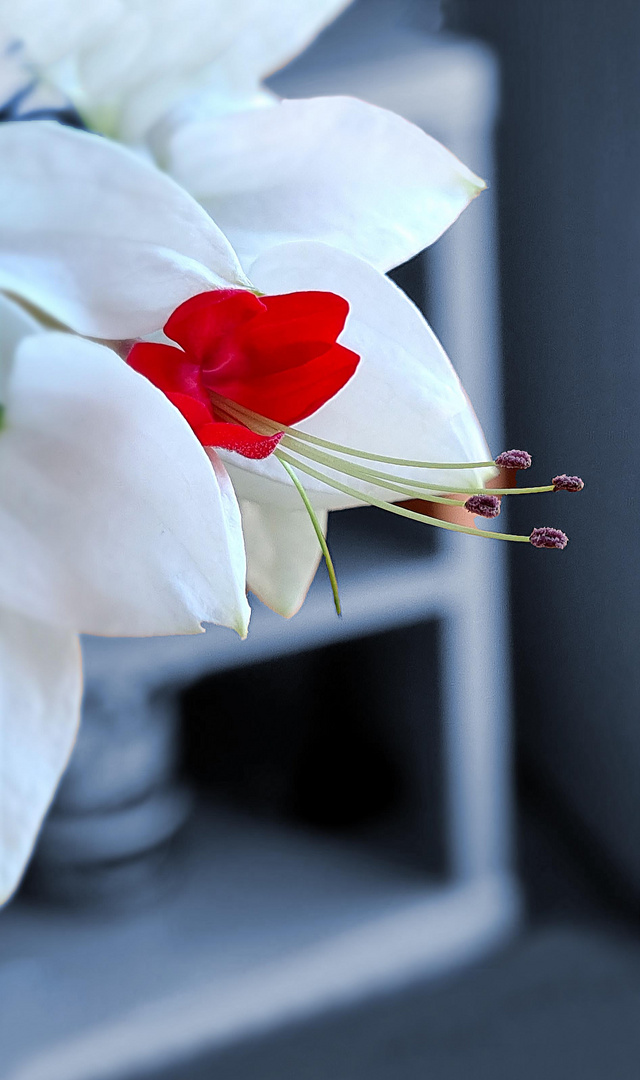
229, 361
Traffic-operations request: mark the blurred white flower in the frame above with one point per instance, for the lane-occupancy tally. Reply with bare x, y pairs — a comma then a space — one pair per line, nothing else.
106, 244
124, 63
182, 80
112, 521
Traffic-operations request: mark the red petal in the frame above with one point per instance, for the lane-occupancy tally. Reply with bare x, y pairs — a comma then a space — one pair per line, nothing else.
168, 368
172, 372
239, 438
289, 331
276, 355
204, 320
284, 362
286, 399
318, 315
198, 415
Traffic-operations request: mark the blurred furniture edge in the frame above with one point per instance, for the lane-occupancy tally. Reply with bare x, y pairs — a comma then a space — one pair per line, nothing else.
117, 999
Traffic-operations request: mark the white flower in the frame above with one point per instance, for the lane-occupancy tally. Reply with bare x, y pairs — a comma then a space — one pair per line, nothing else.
112, 522
103, 242
124, 63
333, 169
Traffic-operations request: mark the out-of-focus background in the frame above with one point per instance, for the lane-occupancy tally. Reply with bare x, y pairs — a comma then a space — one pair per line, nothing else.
405, 843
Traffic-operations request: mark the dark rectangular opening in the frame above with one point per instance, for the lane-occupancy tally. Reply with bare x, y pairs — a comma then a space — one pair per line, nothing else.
345, 740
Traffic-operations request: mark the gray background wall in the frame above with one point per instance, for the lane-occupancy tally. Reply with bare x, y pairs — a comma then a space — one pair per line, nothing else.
569, 182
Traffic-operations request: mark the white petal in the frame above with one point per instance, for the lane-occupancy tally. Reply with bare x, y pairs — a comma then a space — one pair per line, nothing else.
272, 34
151, 58
15, 324
96, 237
333, 169
282, 554
211, 46
112, 520
124, 64
40, 692
50, 31
405, 400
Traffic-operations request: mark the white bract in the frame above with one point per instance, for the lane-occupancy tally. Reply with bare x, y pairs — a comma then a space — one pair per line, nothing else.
124, 63
124, 245
332, 169
112, 522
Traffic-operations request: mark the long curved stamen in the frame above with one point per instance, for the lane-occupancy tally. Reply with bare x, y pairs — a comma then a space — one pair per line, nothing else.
401, 511
265, 426
400, 485
319, 533
385, 459
393, 483
389, 479
301, 444
293, 436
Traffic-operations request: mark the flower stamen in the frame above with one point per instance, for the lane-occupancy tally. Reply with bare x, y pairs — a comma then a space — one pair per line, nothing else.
483, 505
514, 459
401, 511
370, 476
567, 483
478, 501
269, 427
546, 537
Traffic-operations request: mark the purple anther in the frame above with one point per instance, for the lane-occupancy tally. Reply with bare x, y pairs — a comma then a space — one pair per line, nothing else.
514, 459
547, 537
567, 483
487, 506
